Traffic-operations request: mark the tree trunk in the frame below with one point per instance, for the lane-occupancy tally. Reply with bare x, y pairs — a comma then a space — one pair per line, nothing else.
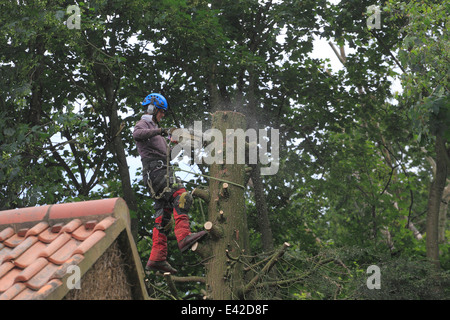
434, 201
443, 214
262, 211
121, 160
106, 81
226, 211
258, 187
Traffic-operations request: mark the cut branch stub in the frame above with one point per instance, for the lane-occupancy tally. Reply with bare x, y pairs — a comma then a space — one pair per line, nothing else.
215, 231
202, 250
221, 216
224, 191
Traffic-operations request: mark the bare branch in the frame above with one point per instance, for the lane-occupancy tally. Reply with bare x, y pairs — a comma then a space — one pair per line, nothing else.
265, 269
171, 284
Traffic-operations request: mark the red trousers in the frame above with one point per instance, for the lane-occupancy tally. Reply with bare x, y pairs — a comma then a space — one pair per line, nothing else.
182, 229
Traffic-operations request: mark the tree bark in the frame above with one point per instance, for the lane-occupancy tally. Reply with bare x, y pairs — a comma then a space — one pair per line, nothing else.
263, 212
258, 187
434, 201
224, 272
443, 214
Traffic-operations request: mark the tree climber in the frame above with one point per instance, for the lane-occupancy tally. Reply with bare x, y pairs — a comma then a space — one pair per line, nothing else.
172, 201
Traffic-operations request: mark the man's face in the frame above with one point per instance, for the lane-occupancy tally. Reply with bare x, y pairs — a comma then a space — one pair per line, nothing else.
159, 114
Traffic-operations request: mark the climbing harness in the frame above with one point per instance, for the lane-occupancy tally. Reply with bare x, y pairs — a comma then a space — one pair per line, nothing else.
171, 180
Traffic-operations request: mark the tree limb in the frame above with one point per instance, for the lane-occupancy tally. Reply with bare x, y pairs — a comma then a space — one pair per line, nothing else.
171, 284
252, 283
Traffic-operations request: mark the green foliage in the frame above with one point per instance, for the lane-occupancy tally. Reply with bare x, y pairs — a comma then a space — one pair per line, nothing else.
424, 52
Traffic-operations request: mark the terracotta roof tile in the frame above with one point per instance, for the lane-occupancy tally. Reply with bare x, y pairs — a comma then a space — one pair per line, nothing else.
41, 278
14, 241
55, 245
30, 255
31, 270
13, 291
37, 229
21, 248
23, 215
9, 279
71, 226
22, 232
5, 267
48, 236
7, 233
64, 252
25, 294
3, 253
82, 233
89, 242
51, 239
105, 223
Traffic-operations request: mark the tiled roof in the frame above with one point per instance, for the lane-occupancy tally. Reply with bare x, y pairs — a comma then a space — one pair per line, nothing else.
37, 245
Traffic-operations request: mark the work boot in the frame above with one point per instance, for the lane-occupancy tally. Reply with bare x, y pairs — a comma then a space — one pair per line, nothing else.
162, 266
189, 240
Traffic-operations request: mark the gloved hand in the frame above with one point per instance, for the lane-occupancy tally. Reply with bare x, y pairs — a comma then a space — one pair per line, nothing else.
165, 131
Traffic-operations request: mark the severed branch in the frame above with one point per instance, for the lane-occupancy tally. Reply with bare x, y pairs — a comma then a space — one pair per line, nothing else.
251, 284
180, 279
201, 193
188, 279
171, 284
299, 277
159, 290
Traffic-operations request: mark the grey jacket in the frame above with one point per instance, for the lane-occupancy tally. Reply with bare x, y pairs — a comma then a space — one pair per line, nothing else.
150, 144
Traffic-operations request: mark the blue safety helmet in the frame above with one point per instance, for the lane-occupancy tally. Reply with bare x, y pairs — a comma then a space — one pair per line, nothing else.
155, 100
